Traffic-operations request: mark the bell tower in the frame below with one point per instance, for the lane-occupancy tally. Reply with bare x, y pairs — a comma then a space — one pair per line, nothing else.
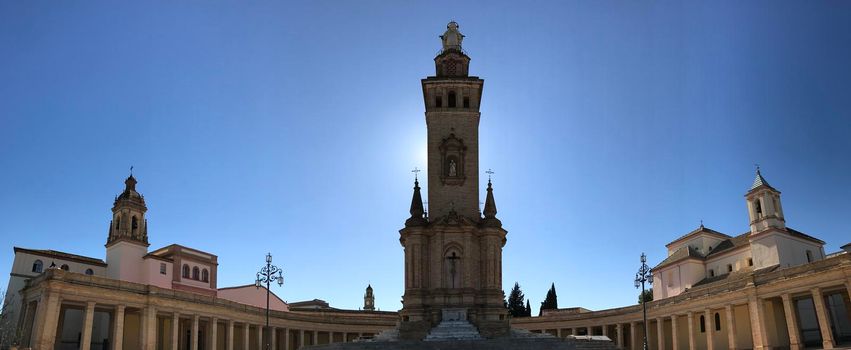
453, 255
127, 242
764, 207
452, 100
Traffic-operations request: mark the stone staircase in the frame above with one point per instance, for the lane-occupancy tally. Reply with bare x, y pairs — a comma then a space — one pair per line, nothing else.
453, 330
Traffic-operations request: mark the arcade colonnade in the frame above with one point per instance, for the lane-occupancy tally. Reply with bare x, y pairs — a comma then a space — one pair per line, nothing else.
794, 308
72, 311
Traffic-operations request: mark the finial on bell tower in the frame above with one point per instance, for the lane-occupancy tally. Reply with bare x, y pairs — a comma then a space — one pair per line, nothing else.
452, 61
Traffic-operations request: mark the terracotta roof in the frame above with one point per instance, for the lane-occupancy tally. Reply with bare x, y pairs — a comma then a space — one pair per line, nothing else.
800, 234
699, 230
62, 255
730, 244
681, 254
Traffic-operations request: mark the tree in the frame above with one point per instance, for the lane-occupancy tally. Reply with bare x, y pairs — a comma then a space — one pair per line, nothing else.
646, 296
8, 331
515, 302
528, 309
550, 302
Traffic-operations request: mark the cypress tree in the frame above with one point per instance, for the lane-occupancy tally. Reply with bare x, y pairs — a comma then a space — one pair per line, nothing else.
551, 301
528, 309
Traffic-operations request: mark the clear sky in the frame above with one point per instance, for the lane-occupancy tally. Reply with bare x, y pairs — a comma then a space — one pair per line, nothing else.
292, 127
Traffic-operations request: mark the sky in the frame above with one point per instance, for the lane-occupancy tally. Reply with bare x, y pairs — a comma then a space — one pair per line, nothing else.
613, 127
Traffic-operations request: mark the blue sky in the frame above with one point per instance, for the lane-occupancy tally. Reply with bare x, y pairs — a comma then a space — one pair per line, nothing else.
292, 127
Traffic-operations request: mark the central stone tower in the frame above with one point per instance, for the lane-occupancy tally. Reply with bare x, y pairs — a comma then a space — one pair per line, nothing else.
453, 254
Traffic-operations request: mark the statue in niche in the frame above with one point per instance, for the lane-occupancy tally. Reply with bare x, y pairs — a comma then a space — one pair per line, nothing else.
453, 171
452, 37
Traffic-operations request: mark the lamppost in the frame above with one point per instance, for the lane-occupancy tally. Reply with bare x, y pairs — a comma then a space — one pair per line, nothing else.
268, 274
644, 275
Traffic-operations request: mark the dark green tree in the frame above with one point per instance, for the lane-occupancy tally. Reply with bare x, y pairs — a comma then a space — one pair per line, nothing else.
647, 295
528, 309
515, 302
550, 302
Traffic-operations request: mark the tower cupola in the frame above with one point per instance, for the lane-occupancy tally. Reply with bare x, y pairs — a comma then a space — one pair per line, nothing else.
369, 299
764, 208
128, 216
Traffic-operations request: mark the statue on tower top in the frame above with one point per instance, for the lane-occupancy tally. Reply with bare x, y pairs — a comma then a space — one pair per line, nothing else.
452, 37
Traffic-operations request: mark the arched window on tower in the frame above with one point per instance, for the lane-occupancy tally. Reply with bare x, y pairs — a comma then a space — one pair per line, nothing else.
757, 204
134, 224
38, 266
117, 222
185, 271
809, 256
466, 102
702, 324
195, 273
451, 99
717, 322
438, 102
205, 276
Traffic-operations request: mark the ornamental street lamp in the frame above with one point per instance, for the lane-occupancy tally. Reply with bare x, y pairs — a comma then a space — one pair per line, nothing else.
268, 274
644, 275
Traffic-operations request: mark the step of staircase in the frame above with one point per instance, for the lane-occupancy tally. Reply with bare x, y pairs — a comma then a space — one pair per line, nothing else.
453, 330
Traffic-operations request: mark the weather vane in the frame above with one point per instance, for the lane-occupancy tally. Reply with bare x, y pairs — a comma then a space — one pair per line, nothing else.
131, 170
489, 172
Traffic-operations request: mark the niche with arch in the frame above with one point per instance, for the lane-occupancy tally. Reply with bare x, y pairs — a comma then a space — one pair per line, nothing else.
452, 266
452, 153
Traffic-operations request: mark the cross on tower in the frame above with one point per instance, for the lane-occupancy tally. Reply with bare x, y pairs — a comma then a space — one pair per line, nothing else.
415, 171
452, 270
489, 172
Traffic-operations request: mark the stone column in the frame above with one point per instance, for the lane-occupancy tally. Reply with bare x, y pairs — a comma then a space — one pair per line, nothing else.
660, 332
195, 324
316, 337
46, 321
558, 334
791, 322
247, 336
229, 340
823, 319
691, 343
633, 342
674, 341
710, 328
619, 329
300, 339
590, 330
273, 338
214, 333
756, 313
118, 328
175, 331
286, 339
260, 342
149, 328
86, 337
731, 327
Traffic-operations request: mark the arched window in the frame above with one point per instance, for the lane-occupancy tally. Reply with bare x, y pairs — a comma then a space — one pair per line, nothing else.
38, 266
758, 207
90, 272
65, 267
809, 256
205, 276
750, 262
717, 322
133, 225
195, 273
438, 102
185, 271
466, 102
729, 267
702, 324
118, 222
452, 99
711, 273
